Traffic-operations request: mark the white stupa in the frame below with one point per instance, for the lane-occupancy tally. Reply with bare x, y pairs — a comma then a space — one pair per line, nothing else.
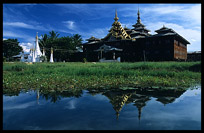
37, 52
43, 52
33, 56
51, 56
30, 55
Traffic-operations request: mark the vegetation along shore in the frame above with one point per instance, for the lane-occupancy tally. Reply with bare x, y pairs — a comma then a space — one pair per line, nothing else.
79, 76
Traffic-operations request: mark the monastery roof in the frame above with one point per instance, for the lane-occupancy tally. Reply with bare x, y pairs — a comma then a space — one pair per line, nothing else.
141, 29
93, 39
107, 48
164, 31
91, 42
116, 32
139, 26
139, 36
164, 34
125, 28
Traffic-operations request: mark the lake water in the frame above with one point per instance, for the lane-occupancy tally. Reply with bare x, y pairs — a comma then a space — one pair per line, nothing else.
103, 110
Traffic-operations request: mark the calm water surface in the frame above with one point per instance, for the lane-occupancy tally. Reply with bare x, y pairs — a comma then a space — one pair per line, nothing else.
103, 110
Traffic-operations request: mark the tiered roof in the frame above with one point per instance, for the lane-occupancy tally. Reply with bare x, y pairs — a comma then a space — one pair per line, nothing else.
139, 29
92, 40
127, 30
116, 32
164, 31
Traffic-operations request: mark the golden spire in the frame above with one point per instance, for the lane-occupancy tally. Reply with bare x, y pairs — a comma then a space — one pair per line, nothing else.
37, 36
116, 16
51, 50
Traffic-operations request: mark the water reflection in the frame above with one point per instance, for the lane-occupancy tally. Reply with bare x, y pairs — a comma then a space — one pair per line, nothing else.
139, 98
117, 97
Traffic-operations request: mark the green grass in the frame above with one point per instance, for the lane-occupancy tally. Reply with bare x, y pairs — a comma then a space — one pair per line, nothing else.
78, 76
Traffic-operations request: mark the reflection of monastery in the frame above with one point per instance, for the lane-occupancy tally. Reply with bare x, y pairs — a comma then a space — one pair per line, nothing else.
136, 44
118, 98
141, 97
138, 97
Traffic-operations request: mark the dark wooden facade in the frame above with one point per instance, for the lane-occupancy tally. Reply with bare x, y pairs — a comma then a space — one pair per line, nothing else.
138, 45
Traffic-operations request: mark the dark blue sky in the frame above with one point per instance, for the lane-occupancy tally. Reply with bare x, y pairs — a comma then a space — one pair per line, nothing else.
22, 21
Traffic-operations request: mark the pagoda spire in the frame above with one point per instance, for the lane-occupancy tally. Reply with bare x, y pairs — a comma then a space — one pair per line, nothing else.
138, 16
116, 16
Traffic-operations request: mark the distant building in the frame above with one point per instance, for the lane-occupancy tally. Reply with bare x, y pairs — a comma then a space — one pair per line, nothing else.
194, 56
137, 44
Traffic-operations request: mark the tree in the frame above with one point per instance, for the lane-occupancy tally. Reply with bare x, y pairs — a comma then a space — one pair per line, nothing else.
77, 40
10, 48
63, 46
53, 35
43, 41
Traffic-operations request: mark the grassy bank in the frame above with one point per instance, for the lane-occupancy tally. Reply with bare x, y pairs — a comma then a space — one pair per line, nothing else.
61, 76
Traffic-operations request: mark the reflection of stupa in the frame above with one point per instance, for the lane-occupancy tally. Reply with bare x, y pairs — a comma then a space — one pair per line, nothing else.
38, 95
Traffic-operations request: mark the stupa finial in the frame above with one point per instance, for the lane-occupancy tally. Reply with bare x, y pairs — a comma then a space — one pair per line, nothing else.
116, 16
36, 35
138, 16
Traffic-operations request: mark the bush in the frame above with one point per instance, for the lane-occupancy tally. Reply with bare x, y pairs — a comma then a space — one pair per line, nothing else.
195, 68
43, 58
4, 59
19, 67
84, 60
